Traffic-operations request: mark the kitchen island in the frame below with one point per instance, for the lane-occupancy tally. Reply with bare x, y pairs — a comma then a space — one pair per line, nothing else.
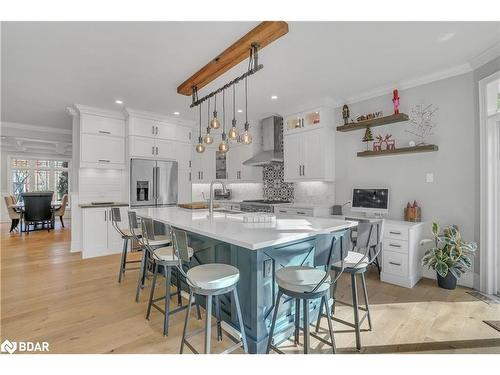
258, 250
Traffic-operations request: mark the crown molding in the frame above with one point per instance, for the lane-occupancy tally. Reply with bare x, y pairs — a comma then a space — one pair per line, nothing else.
129, 112
486, 56
85, 109
35, 128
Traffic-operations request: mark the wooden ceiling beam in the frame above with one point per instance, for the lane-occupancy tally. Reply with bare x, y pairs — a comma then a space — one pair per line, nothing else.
263, 34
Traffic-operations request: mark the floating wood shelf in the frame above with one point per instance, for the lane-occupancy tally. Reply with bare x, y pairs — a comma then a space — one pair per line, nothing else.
401, 150
373, 122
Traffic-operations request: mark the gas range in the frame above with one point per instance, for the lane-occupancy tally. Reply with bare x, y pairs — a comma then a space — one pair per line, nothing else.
260, 205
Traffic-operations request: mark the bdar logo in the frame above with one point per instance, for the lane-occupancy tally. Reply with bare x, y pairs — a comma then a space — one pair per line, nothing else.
8, 347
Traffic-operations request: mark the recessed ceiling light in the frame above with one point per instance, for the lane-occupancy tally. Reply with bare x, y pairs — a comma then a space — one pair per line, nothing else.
240, 111
274, 97
445, 37
177, 113
118, 101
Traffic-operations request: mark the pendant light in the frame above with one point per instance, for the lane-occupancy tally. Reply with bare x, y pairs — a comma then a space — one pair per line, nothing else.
233, 132
200, 147
223, 145
208, 139
246, 137
215, 123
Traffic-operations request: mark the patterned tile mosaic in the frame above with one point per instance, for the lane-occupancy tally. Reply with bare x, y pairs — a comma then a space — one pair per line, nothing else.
274, 186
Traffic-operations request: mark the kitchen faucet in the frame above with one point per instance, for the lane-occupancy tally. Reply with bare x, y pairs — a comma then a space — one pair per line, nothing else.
211, 200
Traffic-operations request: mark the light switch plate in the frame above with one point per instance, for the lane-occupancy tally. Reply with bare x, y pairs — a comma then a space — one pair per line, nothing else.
429, 177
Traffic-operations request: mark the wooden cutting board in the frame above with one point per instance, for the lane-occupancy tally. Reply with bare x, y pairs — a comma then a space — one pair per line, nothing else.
197, 205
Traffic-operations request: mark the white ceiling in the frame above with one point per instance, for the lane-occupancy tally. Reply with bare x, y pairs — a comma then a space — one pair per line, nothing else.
47, 66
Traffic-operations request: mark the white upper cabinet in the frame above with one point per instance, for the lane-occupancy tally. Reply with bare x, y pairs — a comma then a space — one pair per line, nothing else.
203, 165
237, 171
92, 124
183, 154
141, 127
142, 147
102, 142
308, 120
309, 149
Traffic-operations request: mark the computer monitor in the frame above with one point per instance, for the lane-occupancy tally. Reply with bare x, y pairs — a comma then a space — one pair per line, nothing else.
370, 200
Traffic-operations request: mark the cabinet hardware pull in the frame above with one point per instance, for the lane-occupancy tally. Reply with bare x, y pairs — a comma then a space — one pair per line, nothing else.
189, 176
156, 150
303, 170
393, 245
153, 150
283, 211
395, 264
104, 161
153, 129
301, 213
394, 232
105, 215
104, 132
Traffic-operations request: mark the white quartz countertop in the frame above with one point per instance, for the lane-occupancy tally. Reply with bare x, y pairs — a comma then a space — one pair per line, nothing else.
230, 228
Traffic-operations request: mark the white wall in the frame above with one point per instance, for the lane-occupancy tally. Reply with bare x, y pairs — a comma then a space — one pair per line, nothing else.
451, 198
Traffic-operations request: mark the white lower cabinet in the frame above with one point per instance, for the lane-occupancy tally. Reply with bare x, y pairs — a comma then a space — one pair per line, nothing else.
100, 151
401, 253
99, 237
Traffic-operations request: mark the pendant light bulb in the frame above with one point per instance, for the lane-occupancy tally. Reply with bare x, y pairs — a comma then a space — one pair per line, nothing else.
223, 145
200, 147
215, 123
208, 139
246, 137
233, 132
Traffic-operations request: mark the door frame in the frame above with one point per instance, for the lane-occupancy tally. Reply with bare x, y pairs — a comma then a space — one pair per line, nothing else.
489, 256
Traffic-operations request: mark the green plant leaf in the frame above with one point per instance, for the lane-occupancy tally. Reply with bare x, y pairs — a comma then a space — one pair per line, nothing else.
435, 229
455, 272
441, 268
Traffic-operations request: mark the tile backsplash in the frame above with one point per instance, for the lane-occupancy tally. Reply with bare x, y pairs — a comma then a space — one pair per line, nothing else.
274, 186
315, 192
239, 191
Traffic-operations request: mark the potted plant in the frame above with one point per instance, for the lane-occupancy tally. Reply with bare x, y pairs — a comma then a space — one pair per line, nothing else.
450, 255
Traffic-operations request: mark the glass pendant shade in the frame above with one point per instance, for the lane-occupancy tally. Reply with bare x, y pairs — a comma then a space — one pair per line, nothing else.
233, 132
223, 146
215, 123
200, 147
246, 137
208, 139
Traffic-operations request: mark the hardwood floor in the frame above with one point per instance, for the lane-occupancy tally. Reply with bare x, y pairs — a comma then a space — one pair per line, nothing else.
50, 294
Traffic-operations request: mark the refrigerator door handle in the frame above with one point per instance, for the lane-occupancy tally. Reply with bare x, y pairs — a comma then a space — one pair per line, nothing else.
154, 183
157, 186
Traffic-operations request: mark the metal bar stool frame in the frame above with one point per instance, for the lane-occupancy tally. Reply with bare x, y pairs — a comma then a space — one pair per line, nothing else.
115, 219
179, 239
306, 297
147, 264
354, 271
168, 267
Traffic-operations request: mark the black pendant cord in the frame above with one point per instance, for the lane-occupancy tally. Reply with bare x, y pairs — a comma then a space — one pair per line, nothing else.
200, 124
215, 105
246, 104
234, 106
208, 116
223, 115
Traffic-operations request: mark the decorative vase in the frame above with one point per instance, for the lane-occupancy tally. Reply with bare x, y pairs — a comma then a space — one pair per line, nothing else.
448, 282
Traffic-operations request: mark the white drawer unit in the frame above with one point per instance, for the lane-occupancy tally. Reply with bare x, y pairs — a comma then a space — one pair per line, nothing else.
93, 124
401, 253
97, 151
301, 210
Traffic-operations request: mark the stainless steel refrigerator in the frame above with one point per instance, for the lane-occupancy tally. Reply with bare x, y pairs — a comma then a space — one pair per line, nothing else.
153, 182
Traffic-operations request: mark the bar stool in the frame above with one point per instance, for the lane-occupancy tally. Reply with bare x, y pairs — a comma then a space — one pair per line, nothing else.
163, 258
154, 242
209, 280
127, 236
356, 263
305, 283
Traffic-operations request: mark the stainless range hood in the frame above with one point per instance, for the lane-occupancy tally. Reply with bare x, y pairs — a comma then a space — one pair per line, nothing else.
272, 147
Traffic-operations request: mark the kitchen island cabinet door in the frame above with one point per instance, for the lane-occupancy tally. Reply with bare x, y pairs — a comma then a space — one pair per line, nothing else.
95, 232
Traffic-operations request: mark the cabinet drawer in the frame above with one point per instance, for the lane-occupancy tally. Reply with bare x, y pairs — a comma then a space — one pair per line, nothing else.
391, 244
294, 211
396, 232
91, 124
395, 263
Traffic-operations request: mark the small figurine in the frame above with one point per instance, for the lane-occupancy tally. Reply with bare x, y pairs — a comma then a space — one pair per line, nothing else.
368, 137
377, 146
345, 114
395, 101
391, 143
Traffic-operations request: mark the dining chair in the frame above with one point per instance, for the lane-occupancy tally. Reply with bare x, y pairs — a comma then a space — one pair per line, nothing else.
61, 210
14, 215
37, 209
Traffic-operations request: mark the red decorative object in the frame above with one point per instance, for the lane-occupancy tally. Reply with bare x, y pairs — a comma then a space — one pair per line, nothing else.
395, 101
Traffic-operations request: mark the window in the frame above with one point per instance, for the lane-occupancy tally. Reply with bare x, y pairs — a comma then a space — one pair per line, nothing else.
39, 175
